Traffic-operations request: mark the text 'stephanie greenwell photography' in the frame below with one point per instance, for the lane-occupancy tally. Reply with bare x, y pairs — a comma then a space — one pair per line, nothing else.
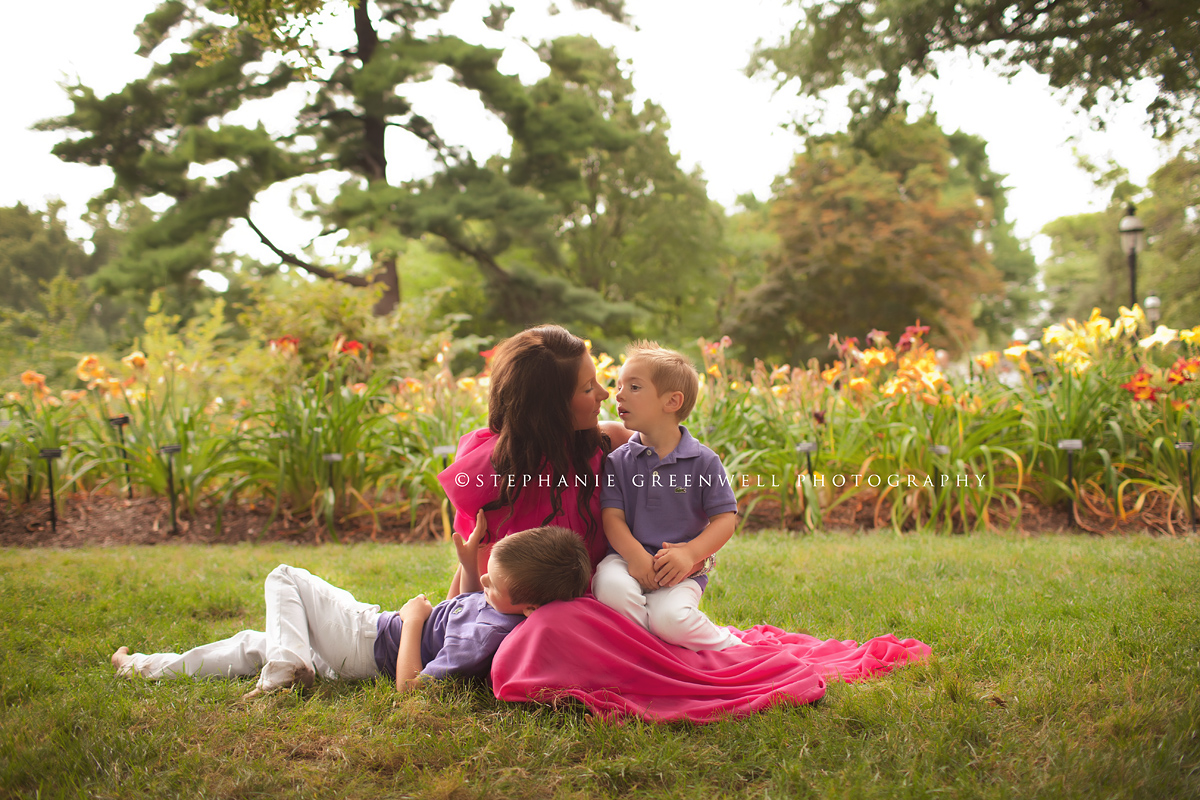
600, 398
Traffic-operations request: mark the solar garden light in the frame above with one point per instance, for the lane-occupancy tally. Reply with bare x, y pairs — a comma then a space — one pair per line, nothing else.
808, 448
49, 454
1071, 446
169, 450
937, 450
119, 423
1187, 446
331, 459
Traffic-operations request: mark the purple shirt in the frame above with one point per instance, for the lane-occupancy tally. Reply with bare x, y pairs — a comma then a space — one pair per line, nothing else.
666, 499
460, 637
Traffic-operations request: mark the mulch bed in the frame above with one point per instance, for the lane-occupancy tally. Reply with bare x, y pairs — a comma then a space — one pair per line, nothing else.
107, 520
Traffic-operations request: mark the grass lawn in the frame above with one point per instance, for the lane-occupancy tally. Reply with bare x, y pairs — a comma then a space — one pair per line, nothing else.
1063, 666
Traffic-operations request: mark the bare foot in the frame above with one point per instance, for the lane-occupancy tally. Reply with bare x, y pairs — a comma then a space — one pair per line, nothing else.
253, 693
123, 662
304, 676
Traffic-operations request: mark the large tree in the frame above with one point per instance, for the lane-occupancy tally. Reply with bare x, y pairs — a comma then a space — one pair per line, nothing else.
504, 216
1081, 45
873, 236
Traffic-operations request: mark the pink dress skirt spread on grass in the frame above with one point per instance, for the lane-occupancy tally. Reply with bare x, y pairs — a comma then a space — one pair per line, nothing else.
584, 650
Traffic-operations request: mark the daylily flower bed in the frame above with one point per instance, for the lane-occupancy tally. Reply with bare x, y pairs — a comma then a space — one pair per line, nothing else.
895, 434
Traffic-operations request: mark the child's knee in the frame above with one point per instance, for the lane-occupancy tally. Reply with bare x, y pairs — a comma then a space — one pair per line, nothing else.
282, 573
672, 623
614, 586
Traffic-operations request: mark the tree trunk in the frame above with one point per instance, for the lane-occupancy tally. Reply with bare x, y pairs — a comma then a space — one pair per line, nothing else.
385, 272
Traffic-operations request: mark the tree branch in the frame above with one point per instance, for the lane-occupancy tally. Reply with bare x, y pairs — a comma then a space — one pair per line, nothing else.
320, 272
482, 257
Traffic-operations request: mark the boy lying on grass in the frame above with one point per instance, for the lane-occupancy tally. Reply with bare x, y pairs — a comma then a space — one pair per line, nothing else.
314, 627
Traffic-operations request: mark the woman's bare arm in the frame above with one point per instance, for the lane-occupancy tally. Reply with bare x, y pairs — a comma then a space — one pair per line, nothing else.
617, 432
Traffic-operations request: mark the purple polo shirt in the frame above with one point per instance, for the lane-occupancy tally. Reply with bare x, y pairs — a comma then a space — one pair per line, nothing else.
460, 637
666, 499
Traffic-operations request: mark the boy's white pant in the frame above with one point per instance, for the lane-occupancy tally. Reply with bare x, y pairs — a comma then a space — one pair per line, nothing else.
311, 624
671, 613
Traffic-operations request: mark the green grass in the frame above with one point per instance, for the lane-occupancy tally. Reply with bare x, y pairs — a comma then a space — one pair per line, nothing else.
1063, 666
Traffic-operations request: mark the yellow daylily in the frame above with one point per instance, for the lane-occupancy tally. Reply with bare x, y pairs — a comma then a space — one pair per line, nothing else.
135, 360
1190, 337
988, 359
89, 368
1016, 352
859, 385
1129, 321
1056, 334
895, 385
876, 357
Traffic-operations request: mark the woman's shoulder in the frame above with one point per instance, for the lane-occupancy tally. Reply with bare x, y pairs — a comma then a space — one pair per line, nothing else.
617, 433
480, 438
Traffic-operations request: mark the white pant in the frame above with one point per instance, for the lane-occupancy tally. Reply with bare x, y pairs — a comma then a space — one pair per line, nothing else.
311, 624
671, 613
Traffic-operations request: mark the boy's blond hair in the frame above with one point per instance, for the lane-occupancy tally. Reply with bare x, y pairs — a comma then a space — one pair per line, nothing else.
669, 372
543, 565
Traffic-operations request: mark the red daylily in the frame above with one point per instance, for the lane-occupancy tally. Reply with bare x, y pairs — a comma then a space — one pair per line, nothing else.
1139, 386
1178, 375
911, 334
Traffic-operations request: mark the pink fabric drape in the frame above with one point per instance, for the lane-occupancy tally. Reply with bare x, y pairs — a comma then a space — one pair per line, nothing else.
585, 650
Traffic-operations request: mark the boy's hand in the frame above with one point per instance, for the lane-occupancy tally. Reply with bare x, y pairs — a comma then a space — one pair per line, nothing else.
469, 548
672, 564
416, 610
641, 569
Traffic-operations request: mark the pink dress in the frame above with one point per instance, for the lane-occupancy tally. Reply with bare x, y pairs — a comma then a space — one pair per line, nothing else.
586, 651
471, 483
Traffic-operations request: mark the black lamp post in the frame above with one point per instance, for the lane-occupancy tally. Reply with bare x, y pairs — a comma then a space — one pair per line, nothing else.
1133, 239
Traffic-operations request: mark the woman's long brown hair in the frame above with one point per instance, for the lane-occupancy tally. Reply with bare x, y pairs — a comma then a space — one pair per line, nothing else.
534, 378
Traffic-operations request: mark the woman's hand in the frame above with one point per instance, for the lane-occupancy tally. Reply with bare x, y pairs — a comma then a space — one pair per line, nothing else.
416, 610
468, 549
674, 563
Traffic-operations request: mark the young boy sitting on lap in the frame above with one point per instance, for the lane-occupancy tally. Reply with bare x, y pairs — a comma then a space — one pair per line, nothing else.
666, 505
314, 627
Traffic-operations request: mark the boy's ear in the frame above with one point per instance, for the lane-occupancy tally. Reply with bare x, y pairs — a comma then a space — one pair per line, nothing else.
674, 402
529, 609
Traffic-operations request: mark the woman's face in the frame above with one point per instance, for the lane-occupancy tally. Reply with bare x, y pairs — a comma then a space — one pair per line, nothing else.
589, 396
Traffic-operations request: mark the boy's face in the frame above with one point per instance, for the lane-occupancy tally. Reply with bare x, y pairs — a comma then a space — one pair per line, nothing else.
639, 405
495, 591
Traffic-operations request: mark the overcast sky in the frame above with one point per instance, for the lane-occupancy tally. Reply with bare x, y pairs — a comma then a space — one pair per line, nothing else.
688, 56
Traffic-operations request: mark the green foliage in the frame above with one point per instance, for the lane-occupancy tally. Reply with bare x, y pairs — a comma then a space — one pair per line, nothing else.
878, 234
1016, 698
1092, 48
1086, 268
34, 249
48, 312
1172, 217
502, 217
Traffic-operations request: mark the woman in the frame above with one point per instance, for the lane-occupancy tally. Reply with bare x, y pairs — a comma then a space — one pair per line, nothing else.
540, 459
540, 462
